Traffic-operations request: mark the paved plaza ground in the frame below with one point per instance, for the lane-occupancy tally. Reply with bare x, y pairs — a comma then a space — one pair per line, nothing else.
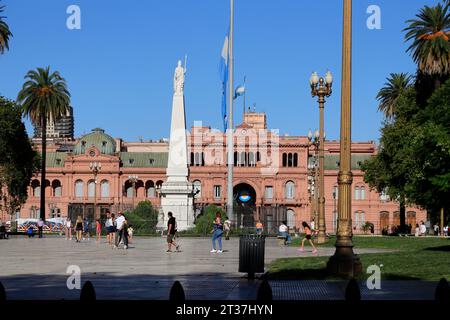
36, 269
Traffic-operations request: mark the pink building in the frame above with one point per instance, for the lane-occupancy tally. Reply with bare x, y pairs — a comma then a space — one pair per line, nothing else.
273, 177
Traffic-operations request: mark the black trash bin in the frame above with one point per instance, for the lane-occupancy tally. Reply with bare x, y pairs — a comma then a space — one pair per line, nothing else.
251, 254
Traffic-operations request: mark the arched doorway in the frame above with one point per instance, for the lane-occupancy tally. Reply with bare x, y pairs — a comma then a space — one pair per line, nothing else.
244, 196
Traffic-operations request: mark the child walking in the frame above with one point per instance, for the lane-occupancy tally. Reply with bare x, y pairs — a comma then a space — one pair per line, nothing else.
307, 237
98, 229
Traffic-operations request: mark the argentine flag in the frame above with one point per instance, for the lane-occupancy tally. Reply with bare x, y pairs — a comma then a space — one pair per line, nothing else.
224, 75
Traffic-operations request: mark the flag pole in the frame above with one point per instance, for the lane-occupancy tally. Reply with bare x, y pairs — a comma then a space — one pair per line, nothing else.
243, 107
230, 140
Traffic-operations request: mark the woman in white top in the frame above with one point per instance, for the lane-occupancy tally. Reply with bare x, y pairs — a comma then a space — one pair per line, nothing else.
417, 231
68, 229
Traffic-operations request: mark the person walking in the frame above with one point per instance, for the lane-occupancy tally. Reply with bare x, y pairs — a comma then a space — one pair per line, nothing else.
417, 230
109, 227
68, 226
217, 233
308, 232
446, 231
98, 229
227, 228
130, 231
171, 231
259, 228
79, 228
40, 227
86, 233
283, 231
436, 229
423, 229
119, 229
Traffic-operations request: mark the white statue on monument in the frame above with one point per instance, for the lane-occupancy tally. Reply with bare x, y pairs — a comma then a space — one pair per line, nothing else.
178, 79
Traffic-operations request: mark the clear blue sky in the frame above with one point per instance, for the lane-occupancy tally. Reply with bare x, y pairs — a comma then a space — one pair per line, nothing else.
119, 66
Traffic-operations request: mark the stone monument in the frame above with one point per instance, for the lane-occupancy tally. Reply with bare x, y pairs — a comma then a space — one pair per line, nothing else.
177, 191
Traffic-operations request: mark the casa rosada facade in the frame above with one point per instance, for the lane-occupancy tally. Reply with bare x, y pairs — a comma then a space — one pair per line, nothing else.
272, 174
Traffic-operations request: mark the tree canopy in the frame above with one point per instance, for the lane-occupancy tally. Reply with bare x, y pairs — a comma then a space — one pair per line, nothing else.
18, 161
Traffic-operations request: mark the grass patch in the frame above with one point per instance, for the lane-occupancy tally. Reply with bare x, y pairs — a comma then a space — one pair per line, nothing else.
415, 258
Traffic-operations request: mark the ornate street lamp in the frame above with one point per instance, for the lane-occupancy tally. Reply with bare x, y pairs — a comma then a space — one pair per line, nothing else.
133, 179
95, 167
344, 262
321, 88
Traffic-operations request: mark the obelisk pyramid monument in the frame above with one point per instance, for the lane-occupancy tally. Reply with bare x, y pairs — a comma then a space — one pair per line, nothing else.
176, 192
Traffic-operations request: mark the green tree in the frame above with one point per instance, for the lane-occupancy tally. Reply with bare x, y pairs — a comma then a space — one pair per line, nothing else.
143, 218
204, 223
429, 185
5, 33
18, 160
44, 96
429, 34
389, 170
393, 89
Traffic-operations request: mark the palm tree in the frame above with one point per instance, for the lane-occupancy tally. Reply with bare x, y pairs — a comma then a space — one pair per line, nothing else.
393, 89
430, 34
5, 34
43, 96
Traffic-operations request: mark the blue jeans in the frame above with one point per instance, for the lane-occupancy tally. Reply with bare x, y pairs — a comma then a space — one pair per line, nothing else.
217, 235
288, 237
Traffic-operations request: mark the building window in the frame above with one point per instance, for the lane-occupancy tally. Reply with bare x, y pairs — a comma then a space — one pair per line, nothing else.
35, 186
357, 193
56, 187
268, 193
91, 189
363, 193
217, 192
34, 212
197, 188
104, 143
284, 162
150, 187
290, 218
251, 159
289, 160
295, 160
360, 219
104, 189
129, 189
243, 160
79, 189
289, 190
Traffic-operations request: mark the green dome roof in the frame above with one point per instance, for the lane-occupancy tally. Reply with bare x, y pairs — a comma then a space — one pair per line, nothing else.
97, 138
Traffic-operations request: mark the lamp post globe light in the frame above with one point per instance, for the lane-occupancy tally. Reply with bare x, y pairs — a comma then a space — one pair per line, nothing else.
95, 167
321, 88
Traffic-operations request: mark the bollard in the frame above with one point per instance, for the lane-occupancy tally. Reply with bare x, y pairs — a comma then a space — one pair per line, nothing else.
264, 292
2, 292
352, 292
442, 293
88, 292
177, 292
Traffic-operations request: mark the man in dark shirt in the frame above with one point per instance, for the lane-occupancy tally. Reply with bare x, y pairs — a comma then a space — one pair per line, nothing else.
171, 230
